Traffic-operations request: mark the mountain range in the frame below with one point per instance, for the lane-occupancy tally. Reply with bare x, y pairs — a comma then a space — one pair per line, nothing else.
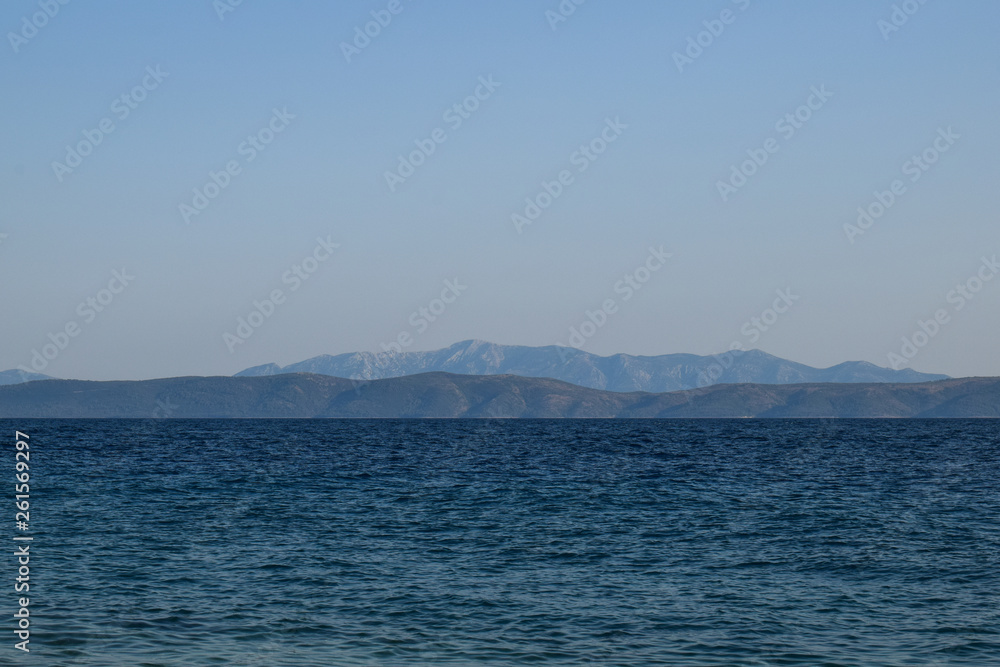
443, 395
620, 372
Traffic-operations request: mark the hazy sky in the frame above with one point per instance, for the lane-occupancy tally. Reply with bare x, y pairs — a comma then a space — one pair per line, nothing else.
285, 118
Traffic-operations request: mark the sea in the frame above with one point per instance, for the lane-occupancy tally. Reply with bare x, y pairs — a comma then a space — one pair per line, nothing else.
506, 542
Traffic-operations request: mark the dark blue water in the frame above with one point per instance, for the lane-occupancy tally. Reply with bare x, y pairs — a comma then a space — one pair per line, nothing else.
511, 542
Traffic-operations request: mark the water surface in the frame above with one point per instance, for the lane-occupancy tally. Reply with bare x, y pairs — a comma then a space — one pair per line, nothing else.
512, 542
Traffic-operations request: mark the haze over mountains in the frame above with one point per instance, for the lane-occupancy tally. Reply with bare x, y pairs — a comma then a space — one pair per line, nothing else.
17, 377
620, 372
442, 395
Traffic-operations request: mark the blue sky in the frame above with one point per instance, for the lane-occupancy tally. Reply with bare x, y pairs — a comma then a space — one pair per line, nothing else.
555, 86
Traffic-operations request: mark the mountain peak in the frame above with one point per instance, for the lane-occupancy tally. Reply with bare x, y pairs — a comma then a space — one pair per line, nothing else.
17, 376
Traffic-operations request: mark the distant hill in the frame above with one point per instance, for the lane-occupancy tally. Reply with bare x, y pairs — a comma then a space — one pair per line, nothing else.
17, 377
443, 395
621, 372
